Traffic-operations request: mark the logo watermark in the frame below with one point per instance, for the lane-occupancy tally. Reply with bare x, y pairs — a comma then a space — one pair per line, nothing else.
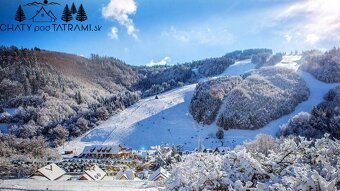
45, 18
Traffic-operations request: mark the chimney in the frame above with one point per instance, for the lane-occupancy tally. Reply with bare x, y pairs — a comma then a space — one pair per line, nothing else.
51, 167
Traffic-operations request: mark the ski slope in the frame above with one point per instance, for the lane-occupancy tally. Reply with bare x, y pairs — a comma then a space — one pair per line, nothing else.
167, 120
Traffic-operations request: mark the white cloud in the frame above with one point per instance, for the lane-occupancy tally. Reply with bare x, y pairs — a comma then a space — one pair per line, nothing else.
166, 60
312, 38
113, 33
288, 37
314, 21
121, 10
202, 35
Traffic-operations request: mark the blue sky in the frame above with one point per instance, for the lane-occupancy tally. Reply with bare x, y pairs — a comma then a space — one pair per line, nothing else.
174, 31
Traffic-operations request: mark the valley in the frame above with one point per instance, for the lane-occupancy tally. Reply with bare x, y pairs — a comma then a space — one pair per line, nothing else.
166, 121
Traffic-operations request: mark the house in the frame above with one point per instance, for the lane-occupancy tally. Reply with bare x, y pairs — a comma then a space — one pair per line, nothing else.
222, 150
43, 16
143, 175
159, 175
208, 151
93, 173
49, 172
126, 175
106, 151
144, 154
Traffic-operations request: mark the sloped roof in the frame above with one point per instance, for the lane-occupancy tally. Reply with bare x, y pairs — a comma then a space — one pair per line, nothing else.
95, 173
87, 177
52, 171
129, 174
159, 172
43, 9
223, 149
101, 149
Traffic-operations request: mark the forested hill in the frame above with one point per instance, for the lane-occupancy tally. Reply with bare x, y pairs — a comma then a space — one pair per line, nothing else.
60, 96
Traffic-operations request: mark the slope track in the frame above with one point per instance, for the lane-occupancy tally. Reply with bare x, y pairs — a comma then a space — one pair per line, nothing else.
167, 121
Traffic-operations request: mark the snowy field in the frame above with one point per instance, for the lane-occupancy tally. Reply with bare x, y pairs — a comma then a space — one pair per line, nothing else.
167, 121
119, 185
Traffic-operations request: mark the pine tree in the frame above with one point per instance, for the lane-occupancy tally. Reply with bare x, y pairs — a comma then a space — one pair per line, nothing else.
81, 15
20, 15
78, 98
220, 134
73, 9
67, 15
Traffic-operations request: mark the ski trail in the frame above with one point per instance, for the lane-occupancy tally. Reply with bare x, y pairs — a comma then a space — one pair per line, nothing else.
152, 122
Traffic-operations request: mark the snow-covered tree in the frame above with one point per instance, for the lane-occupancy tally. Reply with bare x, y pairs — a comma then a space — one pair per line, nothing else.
324, 118
286, 164
324, 67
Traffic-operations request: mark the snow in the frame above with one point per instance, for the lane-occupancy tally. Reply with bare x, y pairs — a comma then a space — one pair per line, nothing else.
167, 120
240, 67
112, 185
195, 70
4, 128
11, 111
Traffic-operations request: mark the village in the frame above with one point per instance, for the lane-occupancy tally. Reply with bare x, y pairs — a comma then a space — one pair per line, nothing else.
116, 162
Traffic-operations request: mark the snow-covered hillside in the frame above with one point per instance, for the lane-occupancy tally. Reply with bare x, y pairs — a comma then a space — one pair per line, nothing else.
167, 121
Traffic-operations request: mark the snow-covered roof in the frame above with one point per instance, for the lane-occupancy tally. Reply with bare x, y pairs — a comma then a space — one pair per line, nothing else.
128, 174
101, 149
223, 149
95, 173
159, 172
52, 171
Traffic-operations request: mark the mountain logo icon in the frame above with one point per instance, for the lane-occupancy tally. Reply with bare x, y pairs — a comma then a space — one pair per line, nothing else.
43, 16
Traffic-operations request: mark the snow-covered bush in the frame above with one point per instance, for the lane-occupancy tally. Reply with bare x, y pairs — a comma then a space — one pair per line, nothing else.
290, 164
325, 67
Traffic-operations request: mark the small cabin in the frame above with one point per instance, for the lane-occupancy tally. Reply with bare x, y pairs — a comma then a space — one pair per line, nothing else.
159, 175
93, 173
126, 175
49, 172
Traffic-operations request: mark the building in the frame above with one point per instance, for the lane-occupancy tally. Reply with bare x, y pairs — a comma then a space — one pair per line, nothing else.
221, 150
106, 151
126, 175
49, 172
93, 173
144, 154
159, 175
43, 16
